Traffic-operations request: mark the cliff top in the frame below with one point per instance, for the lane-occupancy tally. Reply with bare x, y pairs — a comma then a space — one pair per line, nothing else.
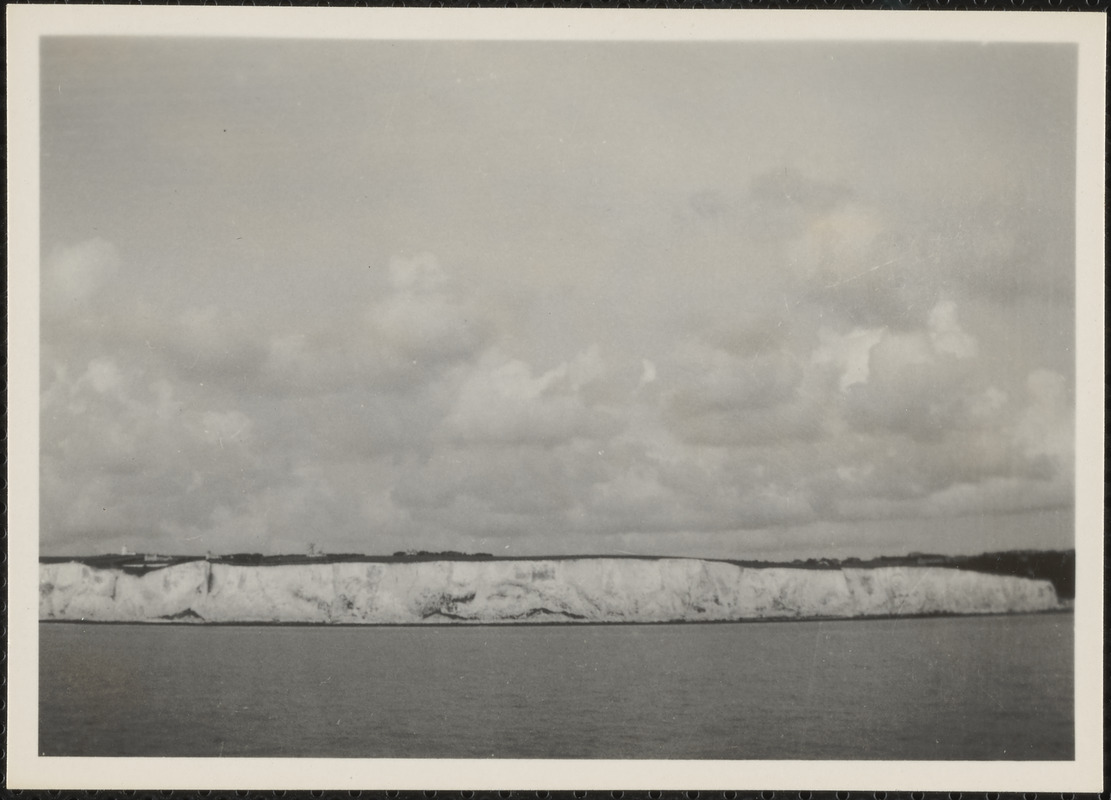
1056, 566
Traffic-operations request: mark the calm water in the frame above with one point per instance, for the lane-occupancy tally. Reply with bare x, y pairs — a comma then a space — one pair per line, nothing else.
955, 688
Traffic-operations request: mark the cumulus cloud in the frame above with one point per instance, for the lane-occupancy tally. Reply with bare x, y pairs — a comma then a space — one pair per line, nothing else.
72, 275
220, 418
1046, 429
462, 482
946, 334
420, 323
684, 491
835, 247
120, 438
850, 353
501, 401
421, 318
103, 375
721, 380
916, 382
412, 425
721, 397
421, 421
225, 426
212, 343
1023, 249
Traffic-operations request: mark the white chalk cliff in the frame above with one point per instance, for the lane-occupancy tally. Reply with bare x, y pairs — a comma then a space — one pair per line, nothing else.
556, 590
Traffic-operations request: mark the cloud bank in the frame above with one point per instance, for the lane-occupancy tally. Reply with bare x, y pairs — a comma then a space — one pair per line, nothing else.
529, 347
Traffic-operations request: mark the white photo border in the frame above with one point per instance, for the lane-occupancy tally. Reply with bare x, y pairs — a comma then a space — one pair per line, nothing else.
26, 769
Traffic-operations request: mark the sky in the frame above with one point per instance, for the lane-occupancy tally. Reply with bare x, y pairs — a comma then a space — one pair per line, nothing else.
737, 300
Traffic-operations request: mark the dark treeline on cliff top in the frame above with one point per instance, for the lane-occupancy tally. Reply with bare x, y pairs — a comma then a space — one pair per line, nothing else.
1055, 566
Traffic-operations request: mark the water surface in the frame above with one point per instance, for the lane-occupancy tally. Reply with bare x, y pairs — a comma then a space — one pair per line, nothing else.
943, 688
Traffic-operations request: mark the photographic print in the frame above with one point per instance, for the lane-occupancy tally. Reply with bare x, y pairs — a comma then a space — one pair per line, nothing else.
411, 388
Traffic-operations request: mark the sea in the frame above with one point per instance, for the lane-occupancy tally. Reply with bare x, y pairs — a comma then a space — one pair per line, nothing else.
955, 688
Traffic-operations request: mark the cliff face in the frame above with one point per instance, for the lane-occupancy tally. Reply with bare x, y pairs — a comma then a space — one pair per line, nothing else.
571, 590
